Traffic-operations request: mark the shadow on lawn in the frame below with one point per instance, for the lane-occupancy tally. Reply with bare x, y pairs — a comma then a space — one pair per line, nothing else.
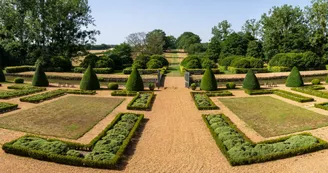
128, 154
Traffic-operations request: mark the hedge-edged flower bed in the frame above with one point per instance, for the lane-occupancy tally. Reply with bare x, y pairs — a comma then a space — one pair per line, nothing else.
81, 92
44, 96
315, 87
322, 106
6, 107
259, 92
202, 101
239, 150
292, 96
311, 92
104, 151
218, 93
124, 93
8, 94
142, 101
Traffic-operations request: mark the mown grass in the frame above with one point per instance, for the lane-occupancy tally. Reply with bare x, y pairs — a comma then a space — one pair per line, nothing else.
273, 117
69, 117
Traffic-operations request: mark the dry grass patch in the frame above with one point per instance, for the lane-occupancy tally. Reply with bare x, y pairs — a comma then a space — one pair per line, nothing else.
273, 117
69, 117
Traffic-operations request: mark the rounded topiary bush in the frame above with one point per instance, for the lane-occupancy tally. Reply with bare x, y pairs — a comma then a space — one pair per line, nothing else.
134, 82
154, 64
89, 80
151, 87
294, 79
40, 78
18, 80
208, 82
113, 86
193, 86
2, 76
315, 81
231, 85
193, 64
250, 82
207, 63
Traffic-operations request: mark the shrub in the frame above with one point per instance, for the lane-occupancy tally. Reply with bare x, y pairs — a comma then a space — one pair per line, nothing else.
315, 81
124, 93
89, 80
5, 107
185, 61
151, 87
203, 102
207, 63
241, 63
40, 78
90, 59
193, 64
62, 62
44, 96
228, 60
193, 86
105, 62
18, 80
322, 105
161, 58
292, 96
154, 64
255, 62
231, 85
134, 82
18, 69
311, 92
258, 92
2, 76
20, 92
306, 60
112, 86
294, 79
250, 82
138, 64
208, 82
218, 93
142, 101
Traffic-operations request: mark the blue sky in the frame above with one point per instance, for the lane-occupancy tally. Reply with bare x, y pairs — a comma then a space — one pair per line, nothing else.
116, 19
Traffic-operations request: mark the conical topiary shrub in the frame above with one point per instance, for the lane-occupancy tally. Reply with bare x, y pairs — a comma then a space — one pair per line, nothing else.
40, 78
294, 79
134, 82
2, 76
89, 80
208, 82
250, 82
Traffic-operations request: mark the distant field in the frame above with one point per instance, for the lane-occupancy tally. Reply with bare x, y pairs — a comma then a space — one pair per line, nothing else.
69, 117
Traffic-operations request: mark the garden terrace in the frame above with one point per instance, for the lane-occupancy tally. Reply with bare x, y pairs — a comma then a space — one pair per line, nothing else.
272, 117
202, 101
239, 150
104, 151
311, 92
292, 96
71, 120
142, 101
6, 107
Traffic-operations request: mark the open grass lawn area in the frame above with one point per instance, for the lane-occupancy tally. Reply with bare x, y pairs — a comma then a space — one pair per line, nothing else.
272, 117
69, 117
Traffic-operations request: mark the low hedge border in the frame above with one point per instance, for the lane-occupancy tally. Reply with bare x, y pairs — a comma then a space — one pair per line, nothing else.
315, 87
21, 92
19, 69
199, 107
145, 107
292, 96
124, 93
96, 70
322, 106
259, 92
76, 161
81, 92
218, 93
257, 159
311, 92
146, 71
43, 96
7, 107
235, 70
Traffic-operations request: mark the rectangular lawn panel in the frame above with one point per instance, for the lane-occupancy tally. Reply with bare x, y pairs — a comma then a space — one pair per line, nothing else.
69, 117
273, 117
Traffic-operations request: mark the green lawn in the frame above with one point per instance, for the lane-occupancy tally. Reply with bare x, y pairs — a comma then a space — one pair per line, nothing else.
272, 117
69, 117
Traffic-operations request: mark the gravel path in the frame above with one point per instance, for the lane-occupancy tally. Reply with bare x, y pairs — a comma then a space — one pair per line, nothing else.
174, 139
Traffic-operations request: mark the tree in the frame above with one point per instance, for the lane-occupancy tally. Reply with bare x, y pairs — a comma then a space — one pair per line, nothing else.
171, 42
208, 82
187, 39
2, 76
134, 82
89, 80
40, 78
137, 41
252, 26
250, 82
294, 79
254, 49
195, 48
235, 44
284, 30
121, 54
155, 41
213, 49
222, 31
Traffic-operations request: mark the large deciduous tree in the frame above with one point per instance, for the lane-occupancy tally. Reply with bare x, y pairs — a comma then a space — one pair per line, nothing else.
186, 39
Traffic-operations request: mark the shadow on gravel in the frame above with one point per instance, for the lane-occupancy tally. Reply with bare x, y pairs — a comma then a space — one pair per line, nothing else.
129, 152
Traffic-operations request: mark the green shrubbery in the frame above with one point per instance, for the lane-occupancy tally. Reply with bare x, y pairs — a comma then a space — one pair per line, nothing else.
150, 62
315, 81
258, 92
134, 82
18, 80
2, 76
322, 106
250, 82
241, 62
81, 92
218, 93
203, 102
20, 92
311, 92
151, 87
5, 107
44, 96
19, 69
294, 79
124, 93
230, 85
208, 82
193, 86
292, 96
40, 78
89, 80
198, 62
96, 70
113, 86
239, 150
142, 101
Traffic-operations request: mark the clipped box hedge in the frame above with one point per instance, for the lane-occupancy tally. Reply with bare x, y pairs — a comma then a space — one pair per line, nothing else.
203, 102
235, 70
240, 150
124, 93
315, 87
19, 69
278, 69
142, 71
311, 92
218, 93
202, 71
6, 107
8, 94
142, 101
292, 96
81, 92
44, 96
118, 129
96, 70
322, 105
259, 92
